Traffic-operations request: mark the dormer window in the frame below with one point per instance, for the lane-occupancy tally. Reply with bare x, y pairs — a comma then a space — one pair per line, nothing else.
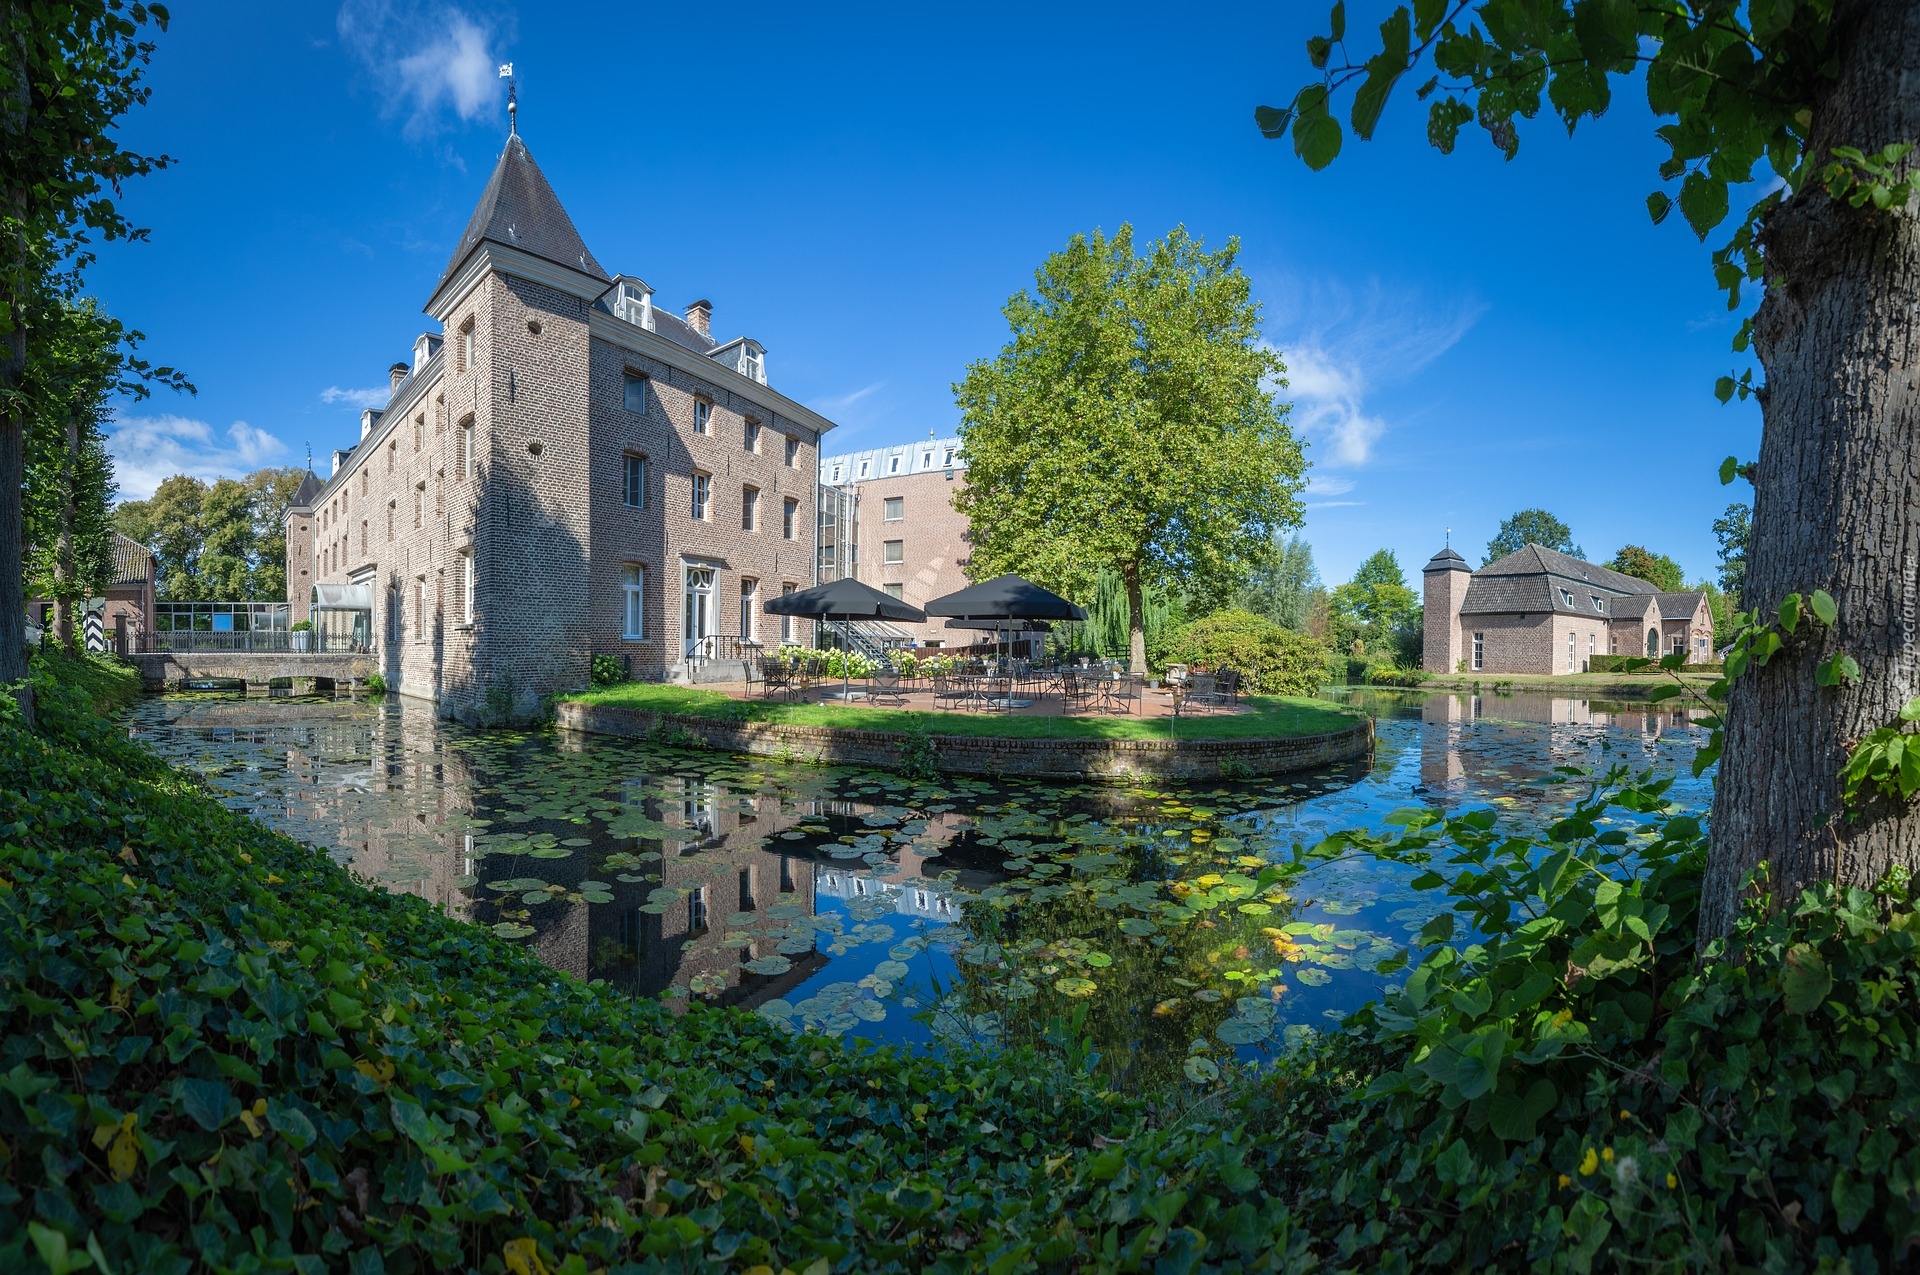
1566, 595
893, 466
836, 473
1598, 605
865, 467
633, 302
948, 462
753, 364
926, 460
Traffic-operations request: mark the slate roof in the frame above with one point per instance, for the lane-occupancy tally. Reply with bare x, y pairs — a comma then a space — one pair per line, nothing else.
310, 489
1679, 606
519, 209
132, 561
1533, 577
1446, 560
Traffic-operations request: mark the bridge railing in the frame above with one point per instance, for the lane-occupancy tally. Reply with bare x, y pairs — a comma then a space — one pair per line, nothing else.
250, 642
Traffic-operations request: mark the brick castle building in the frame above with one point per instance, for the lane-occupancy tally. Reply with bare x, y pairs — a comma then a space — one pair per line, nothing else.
1540, 611
562, 469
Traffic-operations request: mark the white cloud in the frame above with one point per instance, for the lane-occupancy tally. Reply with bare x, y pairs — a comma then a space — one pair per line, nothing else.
1333, 504
375, 397
841, 402
147, 450
426, 61
1343, 347
1321, 485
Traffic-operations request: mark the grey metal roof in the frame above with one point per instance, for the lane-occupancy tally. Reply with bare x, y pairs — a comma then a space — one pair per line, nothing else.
519, 209
1446, 560
680, 332
1678, 606
1535, 578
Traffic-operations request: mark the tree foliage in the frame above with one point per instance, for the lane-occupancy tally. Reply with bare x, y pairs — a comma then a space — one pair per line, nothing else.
1642, 563
1274, 661
1376, 614
1531, 526
1284, 588
217, 542
1731, 529
1130, 423
68, 72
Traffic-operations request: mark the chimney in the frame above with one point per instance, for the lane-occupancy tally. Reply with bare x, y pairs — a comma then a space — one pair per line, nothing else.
397, 373
700, 317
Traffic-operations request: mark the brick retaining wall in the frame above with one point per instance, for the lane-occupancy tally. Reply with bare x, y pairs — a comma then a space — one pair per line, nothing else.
1107, 759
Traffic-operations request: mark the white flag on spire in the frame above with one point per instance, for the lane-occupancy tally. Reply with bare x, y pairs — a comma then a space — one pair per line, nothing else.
506, 70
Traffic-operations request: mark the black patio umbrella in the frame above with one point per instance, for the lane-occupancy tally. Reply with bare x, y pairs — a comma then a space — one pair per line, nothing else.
1006, 598
1002, 600
841, 601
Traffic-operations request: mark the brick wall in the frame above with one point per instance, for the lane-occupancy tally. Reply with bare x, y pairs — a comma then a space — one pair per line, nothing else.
933, 546
1443, 645
1101, 759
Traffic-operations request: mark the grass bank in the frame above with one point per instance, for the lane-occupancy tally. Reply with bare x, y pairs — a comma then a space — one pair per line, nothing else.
218, 1051
1597, 685
1271, 717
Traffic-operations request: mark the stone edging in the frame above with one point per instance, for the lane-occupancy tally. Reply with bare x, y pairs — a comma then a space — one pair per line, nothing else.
1104, 759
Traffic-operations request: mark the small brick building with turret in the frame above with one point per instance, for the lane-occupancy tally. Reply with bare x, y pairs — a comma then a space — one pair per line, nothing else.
1537, 610
562, 469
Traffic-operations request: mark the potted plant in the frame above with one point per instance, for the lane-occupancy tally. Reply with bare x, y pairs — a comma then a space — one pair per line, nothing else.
302, 635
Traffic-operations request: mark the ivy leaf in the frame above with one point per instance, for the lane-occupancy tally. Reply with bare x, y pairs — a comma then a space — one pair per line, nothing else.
1825, 609
1723, 389
1659, 204
1804, 979
209, 1102
1836, 669
1514, 1116
1790, 612
1910, 711
1730, 467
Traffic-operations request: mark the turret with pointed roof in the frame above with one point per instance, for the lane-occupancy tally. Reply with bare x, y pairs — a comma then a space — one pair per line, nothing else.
518, 209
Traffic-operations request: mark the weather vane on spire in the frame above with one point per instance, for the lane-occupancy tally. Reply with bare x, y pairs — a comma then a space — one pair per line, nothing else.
513, 100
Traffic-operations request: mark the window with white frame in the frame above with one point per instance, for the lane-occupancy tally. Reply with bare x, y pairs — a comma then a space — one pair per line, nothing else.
893, 551
1569, 652
1479, 651
789, 516
895, 590
865, 466
697, 910
926, 460
893, 465
749, 508
634, 393
702, 487
633, 481
836, 473
749, 604
793, 452
750, 435
1566, 595
702, 415
1592, 644
786, 621
894, 509
948, 462
1598, 605
466, 588
633, 602
751, 365
465, 468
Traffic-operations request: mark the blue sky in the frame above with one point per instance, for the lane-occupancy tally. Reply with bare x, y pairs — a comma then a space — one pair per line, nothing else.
862, 192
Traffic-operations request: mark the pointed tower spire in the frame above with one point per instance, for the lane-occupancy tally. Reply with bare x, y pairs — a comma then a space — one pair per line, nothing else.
519, 209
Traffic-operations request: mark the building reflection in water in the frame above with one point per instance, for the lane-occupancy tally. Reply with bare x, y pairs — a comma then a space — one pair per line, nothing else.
1454, 755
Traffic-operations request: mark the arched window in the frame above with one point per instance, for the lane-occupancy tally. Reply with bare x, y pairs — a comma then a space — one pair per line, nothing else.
1653, 642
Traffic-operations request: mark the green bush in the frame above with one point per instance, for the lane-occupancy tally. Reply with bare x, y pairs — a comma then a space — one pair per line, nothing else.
610, 670
1275, 661
376, 684
301, 626
1642, 663
1393, 675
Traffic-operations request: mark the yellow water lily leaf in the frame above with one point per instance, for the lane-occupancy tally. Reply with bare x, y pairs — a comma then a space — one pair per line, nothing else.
523, 1257
123, 1157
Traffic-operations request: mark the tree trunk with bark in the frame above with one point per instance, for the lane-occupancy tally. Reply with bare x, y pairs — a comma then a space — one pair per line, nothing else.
1836, 501
64, 592
1136, 621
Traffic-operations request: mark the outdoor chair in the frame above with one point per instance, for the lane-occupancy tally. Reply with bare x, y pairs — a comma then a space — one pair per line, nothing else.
884, 686
1125, 692
950, 691
776, 679
1226, 686
1077, 691
1200, 690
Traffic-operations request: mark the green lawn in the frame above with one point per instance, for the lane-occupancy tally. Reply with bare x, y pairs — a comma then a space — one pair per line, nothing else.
1273, 717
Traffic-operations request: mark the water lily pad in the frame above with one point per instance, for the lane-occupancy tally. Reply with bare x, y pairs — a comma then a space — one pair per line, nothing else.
531, 897
518, 885
1313, 977
1075, 986
1201, 1070
596, 896
512, 930
891, 970
770, 965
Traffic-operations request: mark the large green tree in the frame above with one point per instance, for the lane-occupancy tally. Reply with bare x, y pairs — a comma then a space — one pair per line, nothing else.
217, 542
1283, 589
1531, 527
68, 72
1643, 563
77, 359
1822, 97
1731, 529
1130, 423
1377, 608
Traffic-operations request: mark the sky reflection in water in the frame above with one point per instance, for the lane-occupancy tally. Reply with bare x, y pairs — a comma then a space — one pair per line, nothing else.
858, 902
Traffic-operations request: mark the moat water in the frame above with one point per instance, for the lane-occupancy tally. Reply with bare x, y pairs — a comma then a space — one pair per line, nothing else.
1159, 922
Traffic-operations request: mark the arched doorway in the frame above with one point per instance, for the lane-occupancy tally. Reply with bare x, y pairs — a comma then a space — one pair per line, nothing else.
1653, 642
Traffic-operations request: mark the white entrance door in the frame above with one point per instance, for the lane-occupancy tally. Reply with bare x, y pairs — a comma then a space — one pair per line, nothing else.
698, 611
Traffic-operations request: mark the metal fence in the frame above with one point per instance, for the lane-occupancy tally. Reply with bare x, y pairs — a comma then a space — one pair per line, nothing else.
252, 642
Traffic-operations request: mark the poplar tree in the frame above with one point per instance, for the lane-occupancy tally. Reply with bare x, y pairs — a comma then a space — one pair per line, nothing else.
1130, 423
1822, 96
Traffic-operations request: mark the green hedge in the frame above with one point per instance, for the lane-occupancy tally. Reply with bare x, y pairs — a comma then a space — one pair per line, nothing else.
1644, 664
1275, 661
219, 1051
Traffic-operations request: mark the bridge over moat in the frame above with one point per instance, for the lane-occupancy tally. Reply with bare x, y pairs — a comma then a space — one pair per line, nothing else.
161, 670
